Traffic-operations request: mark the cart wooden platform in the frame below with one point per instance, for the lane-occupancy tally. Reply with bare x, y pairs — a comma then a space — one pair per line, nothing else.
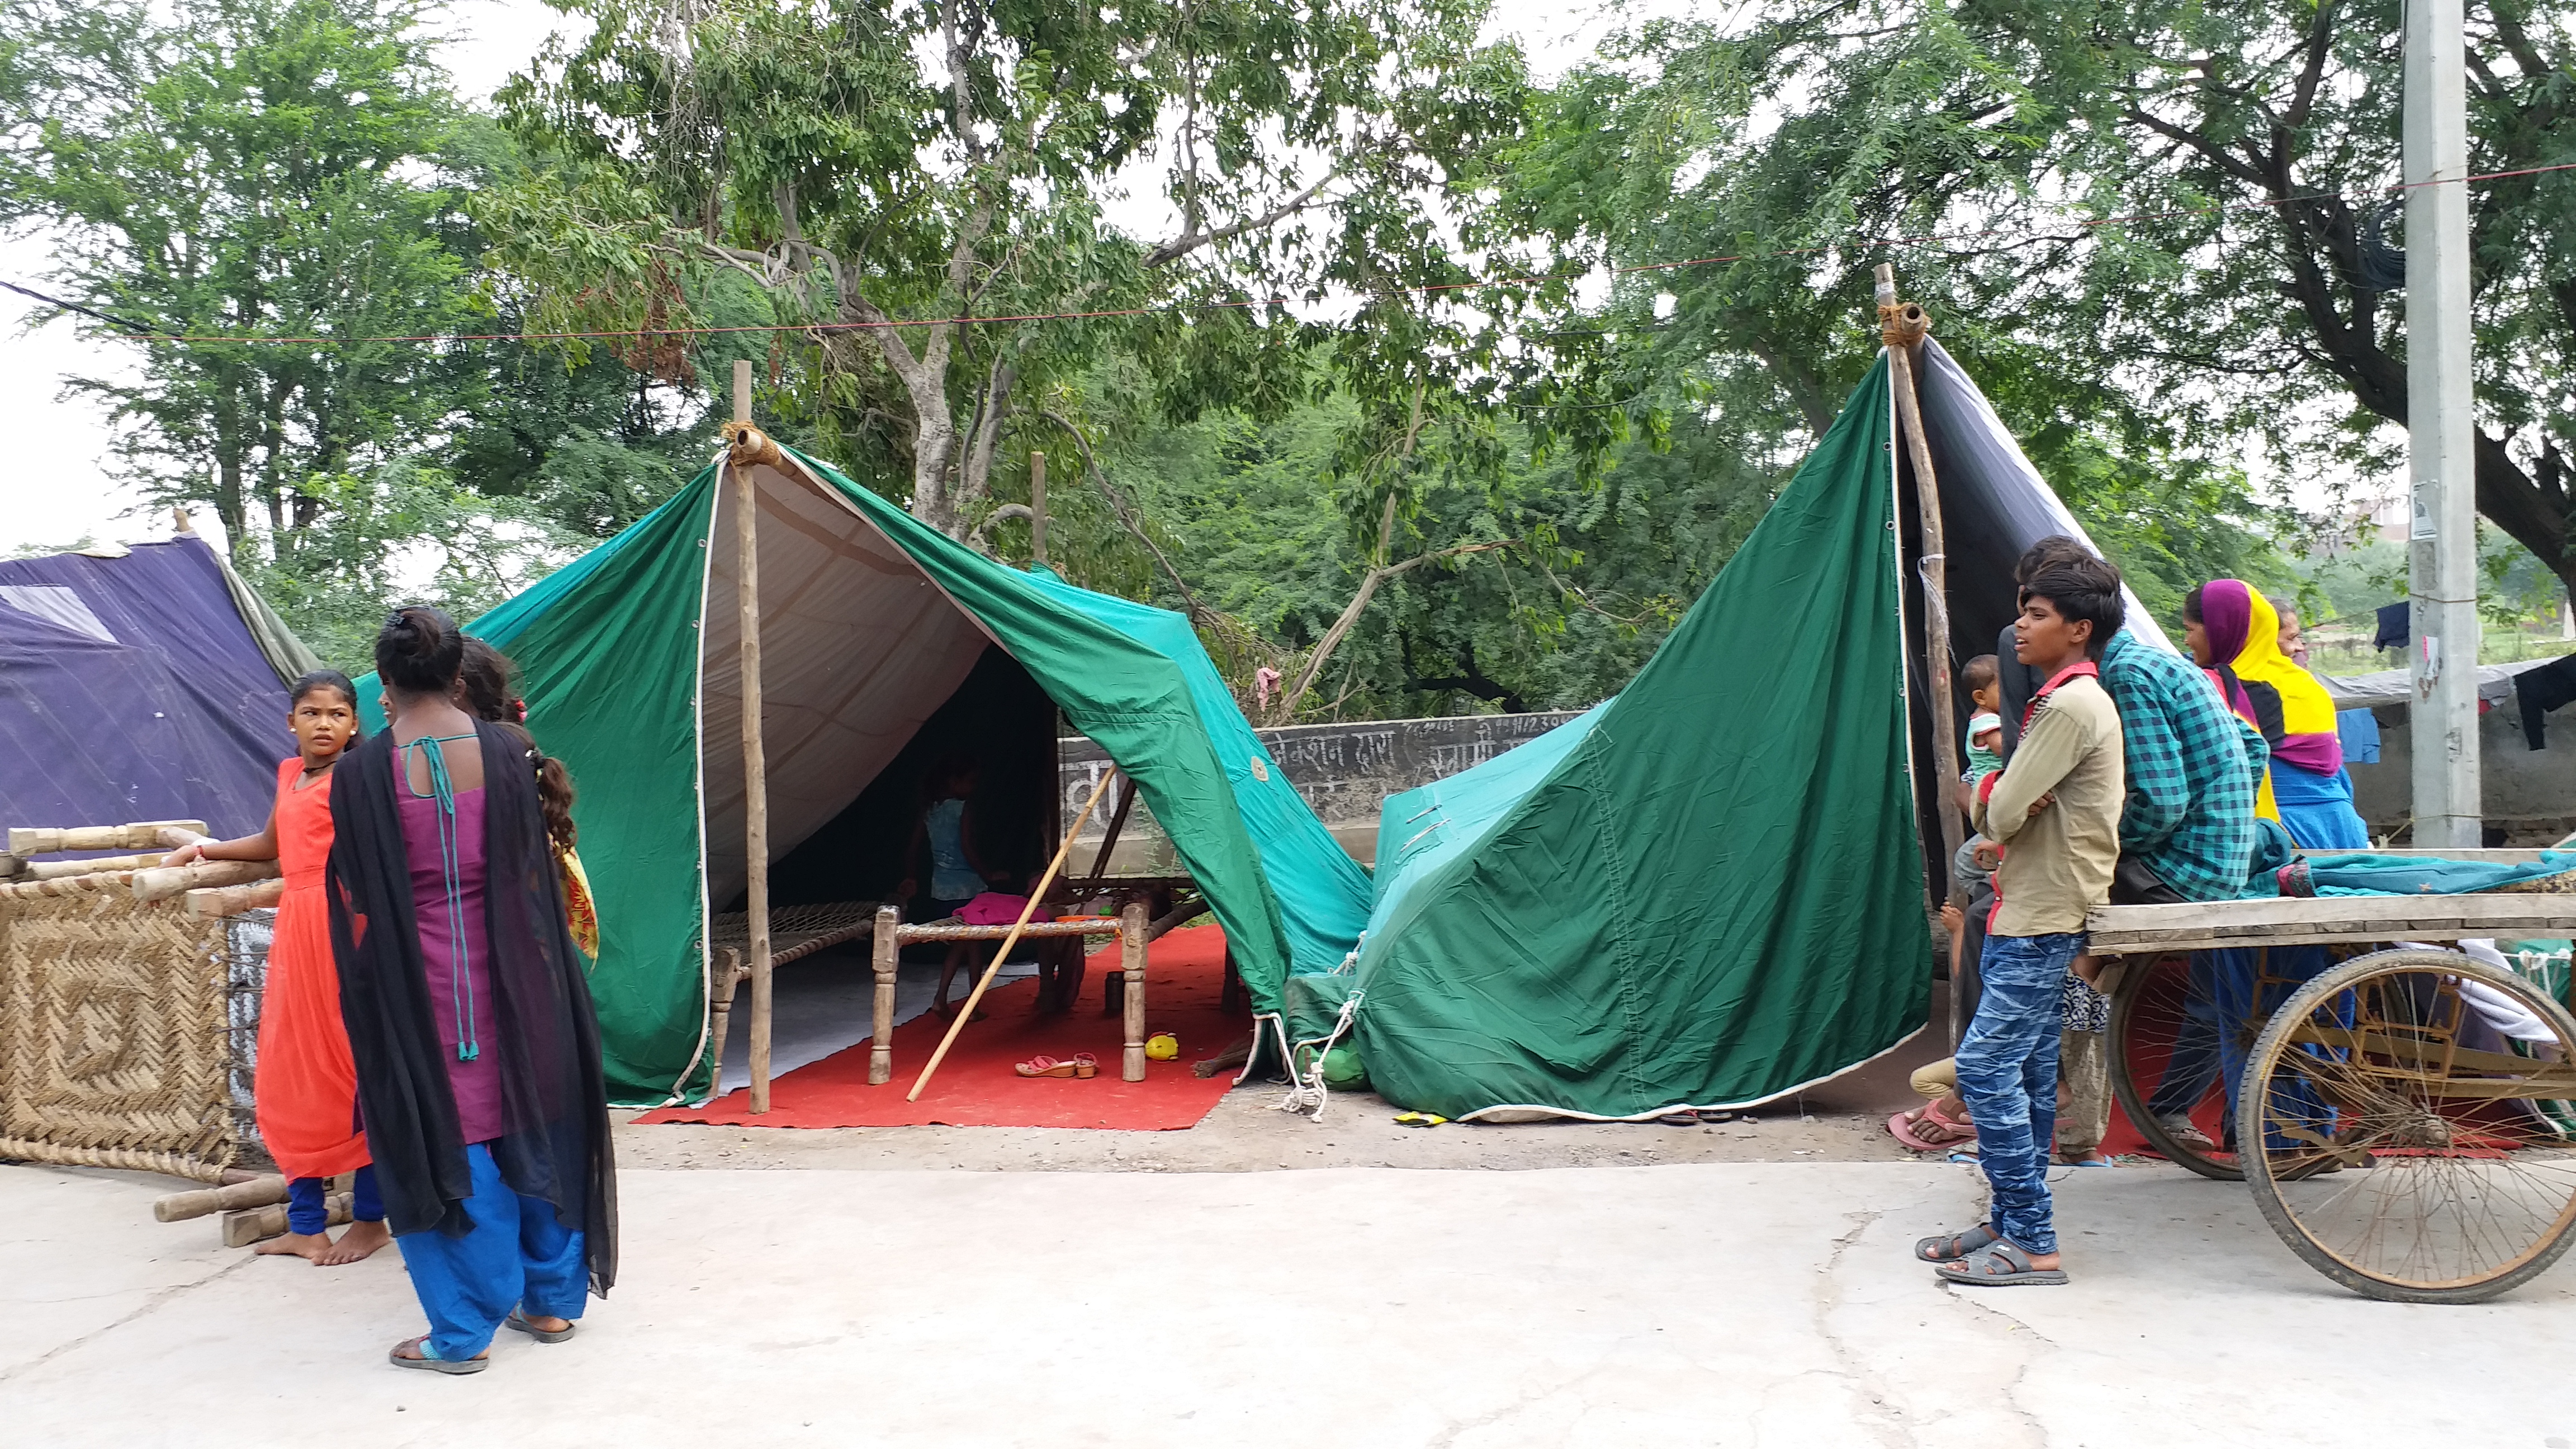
2416, 1106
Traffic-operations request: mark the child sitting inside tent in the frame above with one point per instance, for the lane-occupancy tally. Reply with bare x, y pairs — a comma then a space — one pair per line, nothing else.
946, 825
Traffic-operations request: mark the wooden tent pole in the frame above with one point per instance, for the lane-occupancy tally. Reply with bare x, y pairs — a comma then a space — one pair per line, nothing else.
1002, 952
1037, 507
755, 760
1902, 328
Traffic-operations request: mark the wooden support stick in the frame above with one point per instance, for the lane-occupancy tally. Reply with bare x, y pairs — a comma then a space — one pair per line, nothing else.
242, 1229
139, 836
162, 882
57, 869
967, 1012
215, 901
1902, 328
720, 1009
887, 956
1037, 507
755, 761
178, 1207
1131, 960
1108, 842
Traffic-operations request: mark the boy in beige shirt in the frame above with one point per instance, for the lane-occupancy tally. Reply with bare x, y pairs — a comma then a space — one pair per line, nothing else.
2054, 812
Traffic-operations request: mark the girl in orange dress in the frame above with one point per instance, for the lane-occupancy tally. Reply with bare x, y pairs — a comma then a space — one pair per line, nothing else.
307, 1089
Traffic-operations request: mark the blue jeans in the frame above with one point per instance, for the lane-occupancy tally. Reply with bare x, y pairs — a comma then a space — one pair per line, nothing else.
2007, 1066
308, 1206
516, 1255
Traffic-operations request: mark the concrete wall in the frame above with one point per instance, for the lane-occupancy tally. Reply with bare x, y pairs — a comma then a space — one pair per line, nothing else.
1344, 771
2530, 794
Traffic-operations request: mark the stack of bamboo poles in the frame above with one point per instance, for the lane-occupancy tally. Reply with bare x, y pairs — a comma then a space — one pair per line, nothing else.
115, 1047
141, 877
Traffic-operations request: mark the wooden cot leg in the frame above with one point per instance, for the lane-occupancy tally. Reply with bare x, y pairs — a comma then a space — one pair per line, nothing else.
889, 952
1131, 956
728, 976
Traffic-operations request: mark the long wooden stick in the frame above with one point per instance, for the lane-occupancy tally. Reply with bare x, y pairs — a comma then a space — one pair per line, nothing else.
1902, 329
755, 762
1002, 952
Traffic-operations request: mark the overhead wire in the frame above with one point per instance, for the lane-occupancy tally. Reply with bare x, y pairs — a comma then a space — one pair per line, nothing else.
138, 332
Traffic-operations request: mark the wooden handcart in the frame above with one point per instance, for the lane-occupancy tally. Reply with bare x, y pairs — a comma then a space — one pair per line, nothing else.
2410, 1149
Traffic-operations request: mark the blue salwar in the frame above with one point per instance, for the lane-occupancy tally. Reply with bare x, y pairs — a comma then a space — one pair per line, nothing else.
2007, 1069
516, 1256
308, 1204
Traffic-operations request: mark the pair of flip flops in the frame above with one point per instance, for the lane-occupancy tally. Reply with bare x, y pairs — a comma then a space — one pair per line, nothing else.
1080, 1064
428, 1360
1981, 1258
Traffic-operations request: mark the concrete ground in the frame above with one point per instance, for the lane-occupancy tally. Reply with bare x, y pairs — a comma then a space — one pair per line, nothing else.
1688, 1305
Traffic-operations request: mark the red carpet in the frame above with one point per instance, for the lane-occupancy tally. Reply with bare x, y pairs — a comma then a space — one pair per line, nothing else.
2151, 1045
975, 1087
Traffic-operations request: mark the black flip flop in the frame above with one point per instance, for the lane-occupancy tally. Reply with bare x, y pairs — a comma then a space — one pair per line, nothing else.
1961, 1245
520, 1322
432, 1365
1979, 1269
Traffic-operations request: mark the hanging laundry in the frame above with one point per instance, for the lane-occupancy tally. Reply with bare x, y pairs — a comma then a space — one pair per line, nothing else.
2394, 628
2542, 690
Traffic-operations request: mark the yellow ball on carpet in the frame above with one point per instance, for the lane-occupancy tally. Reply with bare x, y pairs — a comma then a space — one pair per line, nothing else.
1162, 1046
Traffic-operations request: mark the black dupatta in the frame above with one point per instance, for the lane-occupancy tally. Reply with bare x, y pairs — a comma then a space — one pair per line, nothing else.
544, 1032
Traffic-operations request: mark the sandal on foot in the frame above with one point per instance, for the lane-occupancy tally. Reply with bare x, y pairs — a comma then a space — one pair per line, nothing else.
519, 1321
1951, 1247
429, 1361
1999, 1265
2188, 1135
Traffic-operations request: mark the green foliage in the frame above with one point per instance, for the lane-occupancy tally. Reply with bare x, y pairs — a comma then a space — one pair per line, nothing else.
297, 169
380, 532
894, 162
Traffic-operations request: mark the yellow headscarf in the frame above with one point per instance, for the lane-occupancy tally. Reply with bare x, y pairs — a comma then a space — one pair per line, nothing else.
2306, 708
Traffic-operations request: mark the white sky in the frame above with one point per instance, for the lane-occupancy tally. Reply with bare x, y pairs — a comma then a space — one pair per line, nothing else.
63, 490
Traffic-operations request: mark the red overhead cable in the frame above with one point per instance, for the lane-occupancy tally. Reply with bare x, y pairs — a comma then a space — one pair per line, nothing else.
1927, 239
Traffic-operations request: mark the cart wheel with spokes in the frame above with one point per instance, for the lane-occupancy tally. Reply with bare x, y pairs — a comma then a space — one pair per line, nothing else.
2161, 1031
2411, 1107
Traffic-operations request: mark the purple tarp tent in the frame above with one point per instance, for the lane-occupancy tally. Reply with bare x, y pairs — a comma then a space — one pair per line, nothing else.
132, 689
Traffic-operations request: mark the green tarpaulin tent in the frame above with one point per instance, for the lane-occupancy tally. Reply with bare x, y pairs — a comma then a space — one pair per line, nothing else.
871, 624
1706, 891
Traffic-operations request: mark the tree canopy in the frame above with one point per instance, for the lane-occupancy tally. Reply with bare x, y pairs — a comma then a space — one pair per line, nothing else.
1419, 382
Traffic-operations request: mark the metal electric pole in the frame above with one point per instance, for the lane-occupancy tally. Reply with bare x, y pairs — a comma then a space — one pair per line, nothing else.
2442, 569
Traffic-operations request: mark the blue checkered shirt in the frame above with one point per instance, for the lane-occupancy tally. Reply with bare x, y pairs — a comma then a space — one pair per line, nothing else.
2193, 770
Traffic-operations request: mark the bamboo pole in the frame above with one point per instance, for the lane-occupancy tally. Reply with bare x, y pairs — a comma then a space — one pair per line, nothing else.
887, 956
1000, 953
1902, 328
1131, 961
755, 761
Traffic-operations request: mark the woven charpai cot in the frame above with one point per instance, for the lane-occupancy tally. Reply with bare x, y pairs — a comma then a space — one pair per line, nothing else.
114, 1048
